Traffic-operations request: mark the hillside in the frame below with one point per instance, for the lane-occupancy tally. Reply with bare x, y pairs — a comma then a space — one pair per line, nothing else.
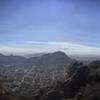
11, 59
54, 77
50, 58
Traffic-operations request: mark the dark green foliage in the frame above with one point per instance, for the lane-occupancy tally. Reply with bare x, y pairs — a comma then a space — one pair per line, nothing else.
91, 92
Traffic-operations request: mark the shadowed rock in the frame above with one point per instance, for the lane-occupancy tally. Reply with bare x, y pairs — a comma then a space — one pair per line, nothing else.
53, 95
70, 87
78, 79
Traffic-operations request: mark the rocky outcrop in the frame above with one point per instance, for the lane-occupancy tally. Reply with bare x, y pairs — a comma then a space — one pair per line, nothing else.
53, 95
70, 87
78, 79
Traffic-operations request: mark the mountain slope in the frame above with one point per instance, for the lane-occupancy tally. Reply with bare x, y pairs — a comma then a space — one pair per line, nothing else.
50, 58
11, 59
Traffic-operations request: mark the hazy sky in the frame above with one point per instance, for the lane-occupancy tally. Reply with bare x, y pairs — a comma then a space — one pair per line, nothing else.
41, 24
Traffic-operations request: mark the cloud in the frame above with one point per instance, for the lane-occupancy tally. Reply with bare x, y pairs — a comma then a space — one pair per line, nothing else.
36, 47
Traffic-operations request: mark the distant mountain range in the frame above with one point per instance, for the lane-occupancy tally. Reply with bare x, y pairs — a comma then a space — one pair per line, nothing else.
86, 57
35, 55
50, 58
45, 58
11, 59
56, 58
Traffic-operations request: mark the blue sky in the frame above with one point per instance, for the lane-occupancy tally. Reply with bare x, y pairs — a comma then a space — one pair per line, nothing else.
43, 21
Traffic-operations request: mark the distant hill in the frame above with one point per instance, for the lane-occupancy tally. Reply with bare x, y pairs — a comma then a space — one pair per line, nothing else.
37, 59
50, 58
86, 57
11, 59
35, 55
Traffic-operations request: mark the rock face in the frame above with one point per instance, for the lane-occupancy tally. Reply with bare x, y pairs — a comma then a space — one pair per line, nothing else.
78, 79
95, 64
92, 90
70, 87
53, 95
94, 76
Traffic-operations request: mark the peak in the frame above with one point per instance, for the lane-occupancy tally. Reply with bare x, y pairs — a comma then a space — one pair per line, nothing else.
51, 58
11, 55
59, 52
1, 54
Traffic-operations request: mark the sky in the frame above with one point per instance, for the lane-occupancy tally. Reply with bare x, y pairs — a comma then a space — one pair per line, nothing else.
31, 26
